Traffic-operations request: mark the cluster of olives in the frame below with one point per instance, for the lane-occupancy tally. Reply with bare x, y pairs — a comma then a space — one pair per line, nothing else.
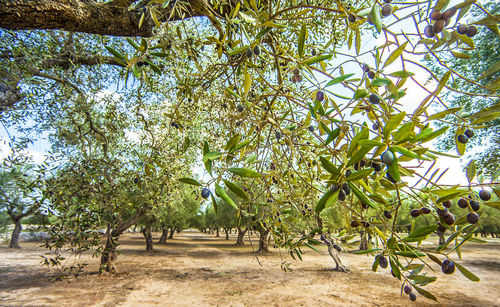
464, 138
296, 78
369, 72
355, 224
440, 21
345, 189
306, 210
328, 243
470, 31
175, 125
256, 51
411, 295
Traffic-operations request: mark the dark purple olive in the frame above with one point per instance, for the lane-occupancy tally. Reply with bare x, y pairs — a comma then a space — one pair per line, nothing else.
462, 138
471, 31
371, 74
484, 195
436, 15
320, 96
352, 18
462, 29
447, 203
374, 98
205, 193
448, 267
469, 133
425, 210
449, 13
438, 26
449, 219
412, 297
407, 289
441, 228
354, 224
474, 205
442, 212
386, 10
415, 213
382, 261
463, 203
429, 32
387, 214
472, 217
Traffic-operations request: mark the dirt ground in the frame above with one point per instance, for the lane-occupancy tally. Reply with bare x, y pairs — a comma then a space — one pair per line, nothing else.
196, 269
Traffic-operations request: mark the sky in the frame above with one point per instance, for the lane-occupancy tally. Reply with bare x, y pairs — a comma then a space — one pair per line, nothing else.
454, 175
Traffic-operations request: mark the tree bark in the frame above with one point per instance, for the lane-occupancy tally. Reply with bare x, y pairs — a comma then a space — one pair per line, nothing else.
227, 233
217, 233
335, 256
149, 238
363, 245
263, 246
241, 234
442, 240
164, 235
14, 240
109, 255
92, 17
172, 231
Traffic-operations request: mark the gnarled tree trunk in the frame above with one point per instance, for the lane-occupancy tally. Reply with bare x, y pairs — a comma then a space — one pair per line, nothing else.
164, 235
171, 235
109, 255
263, 246
14, 239
227, 233
335, 256
149, 238
217, 234
241, 235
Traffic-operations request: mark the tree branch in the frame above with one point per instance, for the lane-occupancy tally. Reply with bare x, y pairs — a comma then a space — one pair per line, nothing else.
88, 17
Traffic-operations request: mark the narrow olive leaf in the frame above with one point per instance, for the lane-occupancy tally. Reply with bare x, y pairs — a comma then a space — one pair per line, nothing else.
410, 254
211, 156
493, 204
189, 181
360, 174
302, 39
362, 196
443, 113
425, 293
214, 202
460, 55
381, 82
247, 83
375, 15
236, 189
420, 233
486, 114
311, 247
460, 146
470, 171
442, 83
115, 53
448, 197
368, 251
329, 166
393, 170
241, 145
395, 54
360, 93
244, 172
491, 70
322, 201
401, 74
358, 40
339, 79
333, 135
316, 59
360, 154
467, 273
393, 123
233, 141
435, 259
395, 268
263, 33
220, 191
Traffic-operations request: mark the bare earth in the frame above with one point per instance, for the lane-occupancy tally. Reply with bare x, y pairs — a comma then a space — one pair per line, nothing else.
195, 269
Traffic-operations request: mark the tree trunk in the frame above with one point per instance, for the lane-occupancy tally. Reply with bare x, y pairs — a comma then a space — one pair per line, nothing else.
171, 235
241, 235
263, 247
14, 240
335, 256
109, 255
227, 233
149, 238
217, 233
112, 18
164, 235
442, 240
363, 245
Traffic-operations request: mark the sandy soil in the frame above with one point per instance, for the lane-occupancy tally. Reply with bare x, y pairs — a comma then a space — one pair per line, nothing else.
195, 269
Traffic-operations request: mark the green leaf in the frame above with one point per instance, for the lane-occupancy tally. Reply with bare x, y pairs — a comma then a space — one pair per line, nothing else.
360, 174
316, 59
244, 172
420, 233
241, 145
322, 201
360, 154
214, 202
220, 191
467, 273
302, 39
233, 141
211, 156
443, 113
409, 254
236, 189
360, 93
424, 293
395, 54
393, 123
487, 114
401, 74
491, 70
329, 166
375, 15
470, 171
361, 196
115, 53
189, 181
263, 33
442, 83
368, 251
393, 170
339, 79
381, 82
